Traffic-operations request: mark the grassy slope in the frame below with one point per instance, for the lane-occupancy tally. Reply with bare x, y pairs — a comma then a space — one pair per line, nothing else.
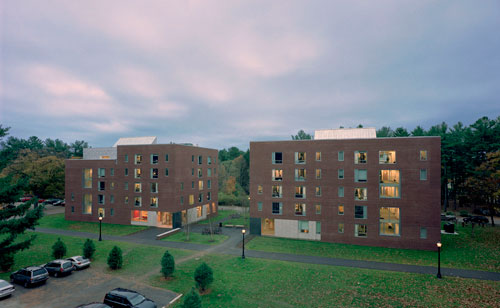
57, 221
196, 238
220, 215
462, 251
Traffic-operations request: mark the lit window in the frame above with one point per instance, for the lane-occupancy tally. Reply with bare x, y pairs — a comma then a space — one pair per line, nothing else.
112, 185
200, 185
199, 211
101, 172
277, 174
137, 187
318, 191
360, 230
125, 200
277, 158
341, 174
360, 175
191, 199
87, 178
390, 184
341, 155
300, 209
154, 173
303, 226
154, 202
137, 201
423, 155
389, 221
318, 174
100, 199
140, 216
360, 212
318, 156
387, 157
87, 204
300, 157
300, 192
138, 159
300, 174
277, 208
341, 209
318, 227
318, 208
137, 173
361, 194
214, 208
341, 191
154, 159
154, 187
360, 157
259, 206
341, 227
423, 174
277, 191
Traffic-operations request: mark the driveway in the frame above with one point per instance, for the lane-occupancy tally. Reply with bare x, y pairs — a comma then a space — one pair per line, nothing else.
81, 287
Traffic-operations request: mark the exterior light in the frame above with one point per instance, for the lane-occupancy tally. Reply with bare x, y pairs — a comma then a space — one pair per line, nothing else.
100, 227
438, 244
243, 231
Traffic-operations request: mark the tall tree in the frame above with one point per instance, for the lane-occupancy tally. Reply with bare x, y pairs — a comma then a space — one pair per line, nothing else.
76, 148
301, 135
401, 132
418, 131
385, 131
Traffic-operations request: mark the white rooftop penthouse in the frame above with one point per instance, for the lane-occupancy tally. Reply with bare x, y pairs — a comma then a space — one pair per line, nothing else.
345, 133
110, 152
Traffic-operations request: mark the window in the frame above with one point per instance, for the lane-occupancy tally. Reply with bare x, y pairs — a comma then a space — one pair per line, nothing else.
300, 192
199, 211
72, 196
126, 200
138, 159
341, 209
112, 185
300, 174
318, 191
137, 201
87, 204
111, 212
423, 174
300, 209
200, 160
389, 221
423, 233
318, 209
318, 174
360, 157
341, 191
126, 171
87, 178
277, 208
300, 157
360, 212
154, 159
277, 174
200, 185
387, 157
137, 173
126, 158
154, 202
112, 199
100, 199
166, 158
277, 158
341, 227
341, 174
390, 184
259, 206
303, 226
360, 175
209, 172
423, 155
361, 194
101, 212
341, 155
209, 160
137, 187
125, 186
259, 189
140, 216
72, 209
112, 171
154, 173
101, 172
101, 186
359, 230
182, 186
166, 171
192, 158
318, 227
200, 172
191, 199
192, 184
277, 191
209, 184
209, 196
154, 187
182, 200
318, 156
192, 171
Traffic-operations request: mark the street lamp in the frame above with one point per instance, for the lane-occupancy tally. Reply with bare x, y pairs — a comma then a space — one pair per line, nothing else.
439, 259
243, 251
100, 228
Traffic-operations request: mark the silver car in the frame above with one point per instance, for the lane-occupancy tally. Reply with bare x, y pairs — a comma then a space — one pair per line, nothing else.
6, 288
79, 262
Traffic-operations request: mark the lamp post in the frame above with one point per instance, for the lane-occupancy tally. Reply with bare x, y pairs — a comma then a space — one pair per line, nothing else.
243, 251
100, 228
439, 259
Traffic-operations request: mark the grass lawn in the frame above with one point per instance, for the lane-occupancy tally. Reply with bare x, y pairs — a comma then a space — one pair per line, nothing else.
196, 238
220, 215
242, 220
57, 221
480, 252
269, 283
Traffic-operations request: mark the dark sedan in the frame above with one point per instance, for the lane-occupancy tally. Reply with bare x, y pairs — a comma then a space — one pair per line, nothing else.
476, 219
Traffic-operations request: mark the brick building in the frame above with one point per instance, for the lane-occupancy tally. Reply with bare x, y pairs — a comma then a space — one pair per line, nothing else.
347, 186
140, 182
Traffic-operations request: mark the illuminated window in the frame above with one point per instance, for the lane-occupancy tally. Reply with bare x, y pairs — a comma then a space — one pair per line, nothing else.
138, 159
341, 155
318, 191
112, 185
137, 201
318, 208
87, 178
199, 211
360, 157
300, 157
277, 174
360, 212
390, 184
360, 230
100, 199
154, 159
341, 210
214, 207
277, 208
125, 200
303, 226
137, 173
360, 175
277, 158
259, 206
361, 194
318, 156
423, 174
341, 227
138, 187
154, 173
154, 202
200, 185
389, 221
207, 208
423, 155
191, 199
101, 172
341, 191
387, 157
140, 216
318, 174
277, 191
87, 204
300, 174
300, 209
341, 174
101, 185
300, 192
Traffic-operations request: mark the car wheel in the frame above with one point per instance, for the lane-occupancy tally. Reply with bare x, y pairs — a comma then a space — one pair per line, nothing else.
26, 284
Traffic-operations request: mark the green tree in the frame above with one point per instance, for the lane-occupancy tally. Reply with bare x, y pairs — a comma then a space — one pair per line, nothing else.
167, 264
401, 132
301, 135
59, 249
203, 276
88, 249
76, 148
192, 299
418, 131
115, 258
385, 131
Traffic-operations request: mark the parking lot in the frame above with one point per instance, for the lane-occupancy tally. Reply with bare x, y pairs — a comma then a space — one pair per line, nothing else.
81, 287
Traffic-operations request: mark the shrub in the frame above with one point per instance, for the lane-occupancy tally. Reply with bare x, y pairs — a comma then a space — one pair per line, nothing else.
192, 299
58, 249
6, 261
167, 264
464, 213
88, 249
450, 213
203, 276
115, 259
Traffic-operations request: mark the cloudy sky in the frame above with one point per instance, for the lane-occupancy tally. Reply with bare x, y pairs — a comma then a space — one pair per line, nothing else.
222, 73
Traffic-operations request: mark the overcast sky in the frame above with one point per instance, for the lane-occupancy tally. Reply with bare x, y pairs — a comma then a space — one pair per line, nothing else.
222, 73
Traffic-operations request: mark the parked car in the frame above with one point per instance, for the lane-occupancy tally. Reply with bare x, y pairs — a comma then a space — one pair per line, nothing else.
26, 198
93, 305
30, 276
6, 289
445, 217
59, 202
476, 219
79, 262
127, 298
51, 201
59, 267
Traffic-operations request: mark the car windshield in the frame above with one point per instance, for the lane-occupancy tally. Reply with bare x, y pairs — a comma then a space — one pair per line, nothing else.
79, 259
3, 284
39, 272
137, 299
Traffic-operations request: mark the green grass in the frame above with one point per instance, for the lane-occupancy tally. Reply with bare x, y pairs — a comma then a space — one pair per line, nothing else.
196, 238
458, 251
269, 283
242, 220
222, 214
58, 221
